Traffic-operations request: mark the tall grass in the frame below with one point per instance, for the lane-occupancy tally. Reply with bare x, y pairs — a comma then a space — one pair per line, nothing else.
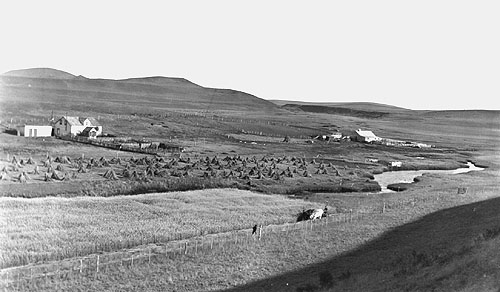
55, 228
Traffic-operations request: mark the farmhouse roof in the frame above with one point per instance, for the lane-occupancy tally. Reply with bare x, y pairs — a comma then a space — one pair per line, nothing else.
87, 130
73, 121
366, 134
76, 121
93, 121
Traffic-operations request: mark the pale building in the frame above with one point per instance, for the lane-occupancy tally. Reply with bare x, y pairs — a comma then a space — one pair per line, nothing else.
34, 131
74, 125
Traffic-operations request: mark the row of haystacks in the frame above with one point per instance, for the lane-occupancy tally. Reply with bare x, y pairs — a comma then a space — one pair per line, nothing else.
266, 167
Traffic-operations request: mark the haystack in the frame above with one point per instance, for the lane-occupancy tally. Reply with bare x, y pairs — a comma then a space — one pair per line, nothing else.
48, 177
14, 160
23, 177
30, 161
36, 170
105, 163
126, 173
82, 169
4, 176
65, 160
60, 167
57, 176
110, 174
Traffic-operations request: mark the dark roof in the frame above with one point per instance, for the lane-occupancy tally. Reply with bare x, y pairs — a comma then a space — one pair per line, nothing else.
87, 130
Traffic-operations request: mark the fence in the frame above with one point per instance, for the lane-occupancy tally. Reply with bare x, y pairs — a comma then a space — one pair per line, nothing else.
108, 143
19, 278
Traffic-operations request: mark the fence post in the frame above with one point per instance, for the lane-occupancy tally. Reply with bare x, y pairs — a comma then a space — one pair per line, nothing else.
97, 269
81, 265
186, 248
260, 232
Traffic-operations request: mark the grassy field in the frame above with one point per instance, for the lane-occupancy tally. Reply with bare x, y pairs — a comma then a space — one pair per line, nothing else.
38, 230
430, 237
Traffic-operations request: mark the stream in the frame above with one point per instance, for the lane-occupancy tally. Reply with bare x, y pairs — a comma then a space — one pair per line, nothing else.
406, 176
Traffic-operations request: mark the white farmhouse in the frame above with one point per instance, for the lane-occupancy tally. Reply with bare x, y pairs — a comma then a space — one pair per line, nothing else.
73, 126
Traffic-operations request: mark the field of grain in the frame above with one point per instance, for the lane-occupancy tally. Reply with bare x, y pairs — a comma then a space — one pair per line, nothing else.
34, 230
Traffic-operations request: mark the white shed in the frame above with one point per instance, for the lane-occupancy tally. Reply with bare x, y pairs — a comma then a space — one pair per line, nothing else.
35, 131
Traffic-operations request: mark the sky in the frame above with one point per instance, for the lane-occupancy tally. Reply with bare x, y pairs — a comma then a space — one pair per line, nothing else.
413, 54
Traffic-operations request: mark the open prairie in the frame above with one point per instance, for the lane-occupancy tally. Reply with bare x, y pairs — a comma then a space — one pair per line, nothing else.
78, 216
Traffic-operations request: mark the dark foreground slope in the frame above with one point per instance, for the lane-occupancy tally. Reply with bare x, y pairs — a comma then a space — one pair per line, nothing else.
454, 249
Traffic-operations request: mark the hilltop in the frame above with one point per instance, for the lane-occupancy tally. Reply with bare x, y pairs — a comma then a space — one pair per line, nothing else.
50, 89
40, 73
358, 106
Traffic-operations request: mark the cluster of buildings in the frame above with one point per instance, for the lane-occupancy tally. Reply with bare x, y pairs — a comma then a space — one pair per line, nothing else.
64, 126
369, 137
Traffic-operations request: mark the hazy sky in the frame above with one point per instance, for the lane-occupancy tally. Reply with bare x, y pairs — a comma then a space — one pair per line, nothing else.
415, 54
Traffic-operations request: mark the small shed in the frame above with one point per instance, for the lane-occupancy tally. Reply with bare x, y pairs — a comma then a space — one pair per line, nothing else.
34, 131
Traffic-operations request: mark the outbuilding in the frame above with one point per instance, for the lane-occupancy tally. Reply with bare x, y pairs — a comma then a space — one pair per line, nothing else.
365, 136
34, 131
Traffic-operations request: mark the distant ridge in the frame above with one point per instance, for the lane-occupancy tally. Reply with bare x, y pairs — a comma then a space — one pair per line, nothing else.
361, 106
40, 73
55, 88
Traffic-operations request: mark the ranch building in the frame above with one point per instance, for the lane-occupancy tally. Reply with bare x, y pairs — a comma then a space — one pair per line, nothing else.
72, 126
34, 131
365, 136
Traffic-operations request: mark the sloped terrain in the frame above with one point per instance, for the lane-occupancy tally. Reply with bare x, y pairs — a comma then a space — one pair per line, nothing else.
52, 89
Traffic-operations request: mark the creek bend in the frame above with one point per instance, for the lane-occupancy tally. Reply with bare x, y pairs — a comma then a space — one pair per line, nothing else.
406, 176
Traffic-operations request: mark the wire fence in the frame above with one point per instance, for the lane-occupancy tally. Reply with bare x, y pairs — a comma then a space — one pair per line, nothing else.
20, 278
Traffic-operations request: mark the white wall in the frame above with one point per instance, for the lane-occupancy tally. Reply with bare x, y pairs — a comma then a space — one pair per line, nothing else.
36, 131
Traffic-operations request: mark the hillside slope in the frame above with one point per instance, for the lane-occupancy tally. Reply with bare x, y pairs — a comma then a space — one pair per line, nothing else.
453, 249
360, 106
50, 89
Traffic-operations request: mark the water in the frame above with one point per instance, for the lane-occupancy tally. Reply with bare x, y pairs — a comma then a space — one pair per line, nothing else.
407, 176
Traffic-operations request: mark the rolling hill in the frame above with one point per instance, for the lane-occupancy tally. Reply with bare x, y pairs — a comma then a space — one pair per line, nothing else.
50, 88
357, 106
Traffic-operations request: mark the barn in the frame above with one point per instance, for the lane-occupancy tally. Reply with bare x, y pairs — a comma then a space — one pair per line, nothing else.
365, 136
73, 126
34, 131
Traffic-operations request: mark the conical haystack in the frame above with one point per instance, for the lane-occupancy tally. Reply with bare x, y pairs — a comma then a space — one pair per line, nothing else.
4, 176
110, 174
57, 176
65, 160
30, 161
22, 178
47, 177
82, 169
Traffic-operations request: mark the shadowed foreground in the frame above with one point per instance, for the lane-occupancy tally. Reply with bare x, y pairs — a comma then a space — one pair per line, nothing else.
455, 249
